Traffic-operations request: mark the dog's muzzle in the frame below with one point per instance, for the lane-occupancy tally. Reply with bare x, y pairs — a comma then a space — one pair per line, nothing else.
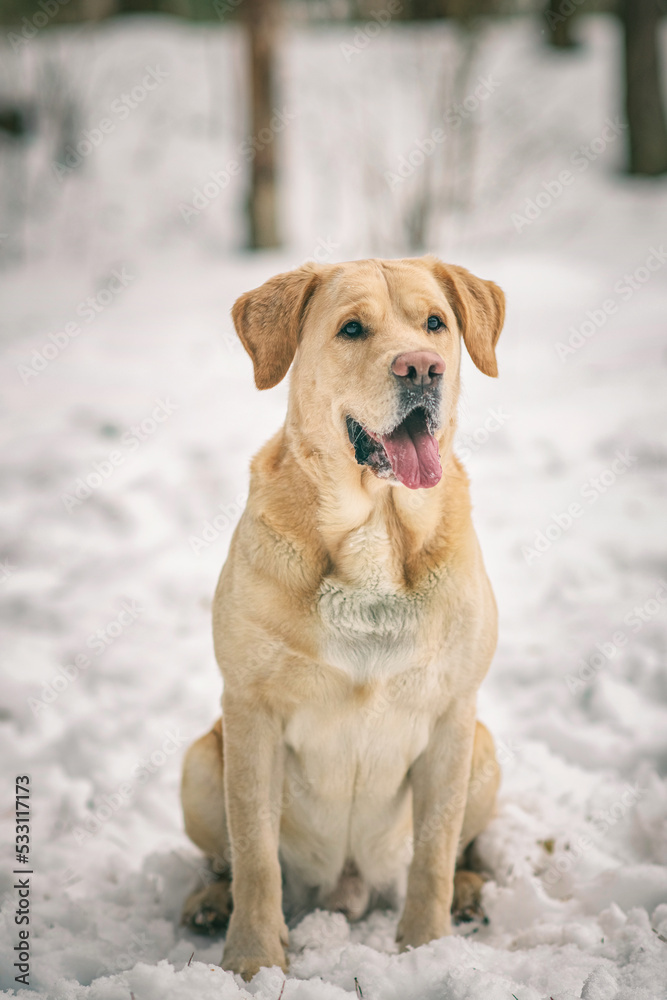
409, 451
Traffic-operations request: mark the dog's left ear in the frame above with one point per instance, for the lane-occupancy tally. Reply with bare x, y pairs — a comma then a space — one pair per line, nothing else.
479, 307
269, 319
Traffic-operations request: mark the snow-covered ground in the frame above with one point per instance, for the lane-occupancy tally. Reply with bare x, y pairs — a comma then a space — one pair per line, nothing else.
125, 455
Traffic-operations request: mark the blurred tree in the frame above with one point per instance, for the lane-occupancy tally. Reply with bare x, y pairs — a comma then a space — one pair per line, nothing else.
260, 18
559, 15
15, 121
643, 95
138, 6
423, 10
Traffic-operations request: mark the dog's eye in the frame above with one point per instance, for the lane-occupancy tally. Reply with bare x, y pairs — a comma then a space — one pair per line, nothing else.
353, 330
435, 323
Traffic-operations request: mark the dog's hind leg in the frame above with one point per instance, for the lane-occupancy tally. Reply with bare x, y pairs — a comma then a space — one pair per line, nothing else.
480, 806
207, 909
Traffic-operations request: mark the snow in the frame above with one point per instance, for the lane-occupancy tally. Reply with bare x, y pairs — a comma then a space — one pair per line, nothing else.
577, 695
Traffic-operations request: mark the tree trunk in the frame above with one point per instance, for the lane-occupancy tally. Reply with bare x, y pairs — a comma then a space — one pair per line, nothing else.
559, 15
260, 18
643, 95
129, 6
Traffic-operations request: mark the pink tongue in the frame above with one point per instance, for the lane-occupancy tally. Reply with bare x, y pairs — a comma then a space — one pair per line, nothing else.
413, 453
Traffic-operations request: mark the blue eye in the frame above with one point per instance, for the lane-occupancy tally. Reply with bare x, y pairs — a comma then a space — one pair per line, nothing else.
435, 323
353, 330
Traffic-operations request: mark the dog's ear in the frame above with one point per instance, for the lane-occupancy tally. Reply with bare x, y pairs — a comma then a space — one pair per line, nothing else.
479, 307
269, 319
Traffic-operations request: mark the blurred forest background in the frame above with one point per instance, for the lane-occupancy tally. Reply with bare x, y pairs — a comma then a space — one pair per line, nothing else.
157, 159
55, 83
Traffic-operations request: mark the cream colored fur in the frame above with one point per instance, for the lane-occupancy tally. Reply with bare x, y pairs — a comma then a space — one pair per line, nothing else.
353, 624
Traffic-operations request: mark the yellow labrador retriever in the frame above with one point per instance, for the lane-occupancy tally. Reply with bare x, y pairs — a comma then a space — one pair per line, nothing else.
353, 620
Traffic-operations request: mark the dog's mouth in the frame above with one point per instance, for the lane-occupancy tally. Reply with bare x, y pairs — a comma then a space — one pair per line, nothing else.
409, 453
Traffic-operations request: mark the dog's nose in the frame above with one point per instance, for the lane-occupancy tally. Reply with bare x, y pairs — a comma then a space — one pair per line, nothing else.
418, 367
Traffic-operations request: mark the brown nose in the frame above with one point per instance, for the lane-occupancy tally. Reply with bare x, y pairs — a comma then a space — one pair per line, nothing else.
418, 367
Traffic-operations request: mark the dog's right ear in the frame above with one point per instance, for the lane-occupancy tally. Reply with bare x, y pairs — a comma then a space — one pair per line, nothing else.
269, 320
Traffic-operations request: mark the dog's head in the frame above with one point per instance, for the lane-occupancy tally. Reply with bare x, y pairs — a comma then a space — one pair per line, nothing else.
376, 351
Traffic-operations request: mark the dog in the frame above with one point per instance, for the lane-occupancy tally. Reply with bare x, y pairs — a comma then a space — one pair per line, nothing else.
353, 621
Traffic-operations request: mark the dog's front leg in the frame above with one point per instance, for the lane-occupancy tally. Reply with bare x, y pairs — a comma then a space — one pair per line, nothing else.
253, 752
439, 781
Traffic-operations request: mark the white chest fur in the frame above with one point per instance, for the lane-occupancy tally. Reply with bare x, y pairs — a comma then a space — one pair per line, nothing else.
367, 630
370, 622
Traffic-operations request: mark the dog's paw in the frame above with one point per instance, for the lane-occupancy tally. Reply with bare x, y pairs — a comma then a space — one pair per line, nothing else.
419, 926
247, 952
207, 910
247, 966
467, 903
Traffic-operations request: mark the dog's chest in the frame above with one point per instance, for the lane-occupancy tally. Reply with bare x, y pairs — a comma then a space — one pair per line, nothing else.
357, 748
370, 624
